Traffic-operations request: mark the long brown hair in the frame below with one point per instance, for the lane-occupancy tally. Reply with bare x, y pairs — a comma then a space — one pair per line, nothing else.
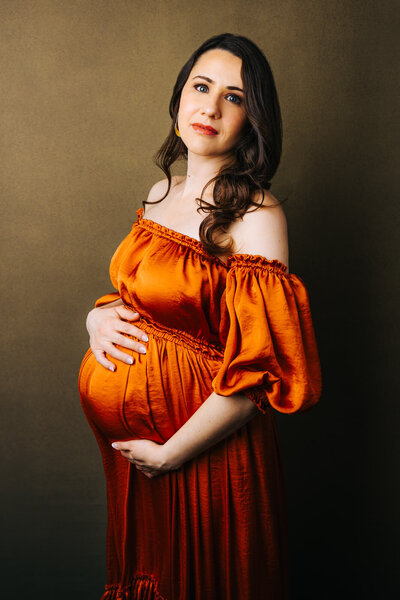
257, 154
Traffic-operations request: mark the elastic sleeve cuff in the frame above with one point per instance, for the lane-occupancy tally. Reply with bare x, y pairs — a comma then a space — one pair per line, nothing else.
259, 397
107, 299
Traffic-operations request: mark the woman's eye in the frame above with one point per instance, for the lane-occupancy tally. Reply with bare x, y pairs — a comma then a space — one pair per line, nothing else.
236, 99
200, 85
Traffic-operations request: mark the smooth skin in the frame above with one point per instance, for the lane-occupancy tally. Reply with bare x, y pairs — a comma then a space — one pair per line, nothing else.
207, 98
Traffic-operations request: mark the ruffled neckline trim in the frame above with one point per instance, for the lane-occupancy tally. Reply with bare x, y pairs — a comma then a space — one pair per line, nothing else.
233, 260
176, 236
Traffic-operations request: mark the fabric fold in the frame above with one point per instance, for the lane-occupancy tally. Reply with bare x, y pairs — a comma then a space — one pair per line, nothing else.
270, 349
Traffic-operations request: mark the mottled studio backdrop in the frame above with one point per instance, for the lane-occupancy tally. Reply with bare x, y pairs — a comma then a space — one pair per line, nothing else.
85, 87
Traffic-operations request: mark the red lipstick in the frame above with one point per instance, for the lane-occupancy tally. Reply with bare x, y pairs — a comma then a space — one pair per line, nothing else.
205, 129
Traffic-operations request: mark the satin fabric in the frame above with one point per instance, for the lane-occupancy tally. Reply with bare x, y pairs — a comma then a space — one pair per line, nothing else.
216, 527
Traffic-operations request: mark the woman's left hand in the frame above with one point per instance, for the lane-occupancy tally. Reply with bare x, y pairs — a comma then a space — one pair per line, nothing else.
148, 456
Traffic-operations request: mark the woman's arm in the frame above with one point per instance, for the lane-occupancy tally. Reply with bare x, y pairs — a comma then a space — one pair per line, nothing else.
215, 419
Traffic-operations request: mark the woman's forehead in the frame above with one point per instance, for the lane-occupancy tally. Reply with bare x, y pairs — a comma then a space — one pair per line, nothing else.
220, 66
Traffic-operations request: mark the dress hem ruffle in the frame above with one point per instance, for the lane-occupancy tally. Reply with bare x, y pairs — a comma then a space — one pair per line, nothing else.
142, 587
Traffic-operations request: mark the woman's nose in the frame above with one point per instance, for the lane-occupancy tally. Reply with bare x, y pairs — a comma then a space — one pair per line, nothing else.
211, 107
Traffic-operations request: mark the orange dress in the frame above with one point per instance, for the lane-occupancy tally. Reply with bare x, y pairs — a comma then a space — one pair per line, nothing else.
216, 527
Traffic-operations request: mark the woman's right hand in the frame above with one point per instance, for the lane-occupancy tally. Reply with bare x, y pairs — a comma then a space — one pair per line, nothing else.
106, 326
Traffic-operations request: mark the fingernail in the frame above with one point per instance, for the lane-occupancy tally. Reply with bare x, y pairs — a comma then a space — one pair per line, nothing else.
114, 445
112, 368
145, 338
142, 349
130, 360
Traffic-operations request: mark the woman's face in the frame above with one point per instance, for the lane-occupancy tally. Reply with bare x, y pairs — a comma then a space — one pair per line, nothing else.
213, 96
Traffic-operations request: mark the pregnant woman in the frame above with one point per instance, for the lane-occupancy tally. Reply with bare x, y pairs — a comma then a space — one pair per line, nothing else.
206, 334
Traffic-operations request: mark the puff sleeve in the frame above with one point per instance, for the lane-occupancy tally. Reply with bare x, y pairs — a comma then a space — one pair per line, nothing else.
266, 329
114, 272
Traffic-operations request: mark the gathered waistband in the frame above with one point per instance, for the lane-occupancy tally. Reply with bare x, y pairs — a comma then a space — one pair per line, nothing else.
182, 338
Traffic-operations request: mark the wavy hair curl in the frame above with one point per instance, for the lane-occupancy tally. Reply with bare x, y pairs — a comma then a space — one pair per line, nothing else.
257, 154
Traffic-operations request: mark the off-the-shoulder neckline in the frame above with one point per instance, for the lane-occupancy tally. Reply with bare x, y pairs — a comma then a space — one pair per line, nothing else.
255, 260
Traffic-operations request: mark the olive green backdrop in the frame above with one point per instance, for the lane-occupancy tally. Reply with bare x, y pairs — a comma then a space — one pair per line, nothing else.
85, 87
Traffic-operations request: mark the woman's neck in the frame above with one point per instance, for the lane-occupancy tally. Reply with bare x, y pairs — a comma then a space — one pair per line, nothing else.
200, 170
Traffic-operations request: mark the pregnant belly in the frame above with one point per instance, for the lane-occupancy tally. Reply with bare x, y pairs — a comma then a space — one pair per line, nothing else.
115, 400
146, 400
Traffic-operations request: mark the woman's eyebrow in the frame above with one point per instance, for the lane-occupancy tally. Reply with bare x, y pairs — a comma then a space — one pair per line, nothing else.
228, 87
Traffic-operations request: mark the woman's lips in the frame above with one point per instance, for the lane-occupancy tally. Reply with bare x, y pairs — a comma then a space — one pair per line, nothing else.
205, 129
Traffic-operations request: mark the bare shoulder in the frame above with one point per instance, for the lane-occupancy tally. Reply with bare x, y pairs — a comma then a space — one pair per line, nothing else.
158, 190
263, 231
